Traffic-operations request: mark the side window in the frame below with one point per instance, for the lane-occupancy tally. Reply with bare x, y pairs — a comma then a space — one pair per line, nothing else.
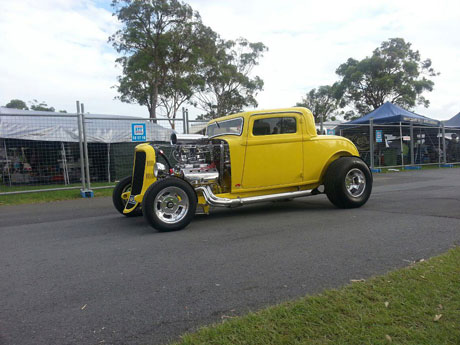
289, 125
274, 125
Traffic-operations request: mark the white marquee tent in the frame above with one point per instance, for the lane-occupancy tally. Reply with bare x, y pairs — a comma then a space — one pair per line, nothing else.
51, 126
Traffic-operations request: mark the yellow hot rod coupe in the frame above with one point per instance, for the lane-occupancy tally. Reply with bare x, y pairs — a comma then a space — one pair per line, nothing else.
245, 158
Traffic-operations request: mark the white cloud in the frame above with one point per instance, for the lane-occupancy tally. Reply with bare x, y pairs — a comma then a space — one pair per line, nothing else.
308, 40
57, 50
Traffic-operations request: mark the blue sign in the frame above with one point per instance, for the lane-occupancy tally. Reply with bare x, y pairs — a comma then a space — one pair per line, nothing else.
378, 136
331, 131
138, 132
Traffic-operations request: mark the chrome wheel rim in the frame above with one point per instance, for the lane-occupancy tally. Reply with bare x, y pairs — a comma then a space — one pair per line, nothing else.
171, 205
355, 183
126, 189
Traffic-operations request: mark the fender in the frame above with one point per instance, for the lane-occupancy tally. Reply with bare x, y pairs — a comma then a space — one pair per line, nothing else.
143, 177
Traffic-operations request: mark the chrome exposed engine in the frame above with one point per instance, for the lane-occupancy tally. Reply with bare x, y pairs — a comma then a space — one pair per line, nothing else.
201, 175
203, 163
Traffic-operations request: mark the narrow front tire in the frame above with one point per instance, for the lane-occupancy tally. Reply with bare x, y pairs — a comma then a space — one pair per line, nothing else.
122, 187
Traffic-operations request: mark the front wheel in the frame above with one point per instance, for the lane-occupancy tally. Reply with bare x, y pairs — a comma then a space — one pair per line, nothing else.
122, 187
348, 182
169, 204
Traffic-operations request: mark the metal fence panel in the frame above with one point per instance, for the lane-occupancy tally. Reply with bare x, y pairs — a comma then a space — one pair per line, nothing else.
427, 145
359, 135
49, 154
452, 139
111, 143
402, 145
44, 153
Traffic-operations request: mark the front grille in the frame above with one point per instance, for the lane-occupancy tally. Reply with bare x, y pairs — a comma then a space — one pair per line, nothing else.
138, 175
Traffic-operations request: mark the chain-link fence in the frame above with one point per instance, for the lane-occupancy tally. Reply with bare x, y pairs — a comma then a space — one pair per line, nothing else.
42, 151
403, 145
65, 151
39, 151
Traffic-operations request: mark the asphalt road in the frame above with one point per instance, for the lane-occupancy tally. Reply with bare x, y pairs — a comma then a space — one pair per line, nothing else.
76, 272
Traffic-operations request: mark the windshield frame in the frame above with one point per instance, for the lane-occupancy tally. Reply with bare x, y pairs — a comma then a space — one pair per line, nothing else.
218, 124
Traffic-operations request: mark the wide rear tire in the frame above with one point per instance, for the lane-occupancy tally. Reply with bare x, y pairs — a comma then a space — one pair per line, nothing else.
348, 182
169, 204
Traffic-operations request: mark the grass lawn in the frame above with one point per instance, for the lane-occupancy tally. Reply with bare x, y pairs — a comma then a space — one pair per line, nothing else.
29, 198
416, 305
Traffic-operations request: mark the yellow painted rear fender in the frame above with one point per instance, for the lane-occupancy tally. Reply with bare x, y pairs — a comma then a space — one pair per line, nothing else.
334, 157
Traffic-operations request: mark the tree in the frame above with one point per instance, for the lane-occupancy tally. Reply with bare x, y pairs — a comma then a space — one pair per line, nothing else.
42, 106
17, 104
185, 63
156, 60
322, 101
228, 86
394, 73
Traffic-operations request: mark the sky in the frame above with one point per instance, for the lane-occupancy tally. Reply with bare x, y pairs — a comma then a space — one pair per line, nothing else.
57, 51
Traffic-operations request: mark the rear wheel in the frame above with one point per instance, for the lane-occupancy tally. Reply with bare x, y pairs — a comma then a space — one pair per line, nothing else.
348, 182
169, 204
122, 187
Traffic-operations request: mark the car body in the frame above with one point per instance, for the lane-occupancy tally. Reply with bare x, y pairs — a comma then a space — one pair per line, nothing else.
249, 157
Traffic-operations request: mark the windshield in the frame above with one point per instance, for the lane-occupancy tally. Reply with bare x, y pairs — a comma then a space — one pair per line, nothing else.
233, 126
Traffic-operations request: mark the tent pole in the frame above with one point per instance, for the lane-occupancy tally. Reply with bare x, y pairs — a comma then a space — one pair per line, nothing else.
7, 162
80, 143
444, 153
371, 141
412, 161
108, 161
64, 164
85, 146
401, 140
439, 146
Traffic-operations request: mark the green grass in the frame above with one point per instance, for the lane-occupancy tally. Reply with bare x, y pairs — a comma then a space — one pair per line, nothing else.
29, 198
358, 313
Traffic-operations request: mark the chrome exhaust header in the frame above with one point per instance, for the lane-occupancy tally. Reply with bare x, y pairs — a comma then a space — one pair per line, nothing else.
213, 200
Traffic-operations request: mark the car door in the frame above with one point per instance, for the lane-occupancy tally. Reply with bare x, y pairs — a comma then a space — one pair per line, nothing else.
273, 151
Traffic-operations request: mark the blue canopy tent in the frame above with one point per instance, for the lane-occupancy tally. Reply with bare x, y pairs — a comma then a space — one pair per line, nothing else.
390, 113
393, 143
453, 122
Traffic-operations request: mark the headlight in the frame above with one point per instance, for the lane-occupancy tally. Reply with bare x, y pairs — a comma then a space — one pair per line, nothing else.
159, 169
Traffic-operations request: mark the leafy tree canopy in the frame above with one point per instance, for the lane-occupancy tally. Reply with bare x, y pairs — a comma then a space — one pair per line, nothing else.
228, 85
17, 104
323, 102
170, 58
40, 106
394, 73
161, 42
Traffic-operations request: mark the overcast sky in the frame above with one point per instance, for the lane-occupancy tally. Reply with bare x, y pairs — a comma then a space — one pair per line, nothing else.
56, 50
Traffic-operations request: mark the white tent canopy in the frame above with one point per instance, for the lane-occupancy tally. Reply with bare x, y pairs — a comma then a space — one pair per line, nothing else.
51, 126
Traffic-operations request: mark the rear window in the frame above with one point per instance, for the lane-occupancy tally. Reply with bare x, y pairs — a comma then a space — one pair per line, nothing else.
275, 125
233, 126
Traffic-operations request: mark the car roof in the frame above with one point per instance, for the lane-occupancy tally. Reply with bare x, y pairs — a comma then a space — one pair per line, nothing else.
259, 112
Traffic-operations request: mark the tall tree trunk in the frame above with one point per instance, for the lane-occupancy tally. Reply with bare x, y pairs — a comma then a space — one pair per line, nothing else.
152, 112
154, 102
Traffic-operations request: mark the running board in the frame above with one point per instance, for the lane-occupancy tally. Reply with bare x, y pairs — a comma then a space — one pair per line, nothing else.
214, 200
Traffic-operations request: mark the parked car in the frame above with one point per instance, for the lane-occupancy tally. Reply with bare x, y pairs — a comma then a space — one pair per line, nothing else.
245, 158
